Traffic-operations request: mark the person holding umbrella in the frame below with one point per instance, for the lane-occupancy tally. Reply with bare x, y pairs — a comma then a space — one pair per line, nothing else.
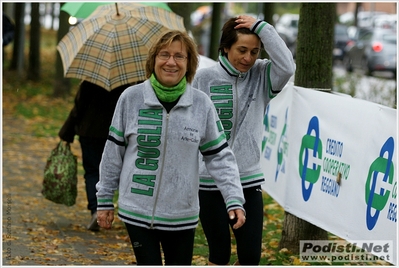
90, 119
152, 153
241, 86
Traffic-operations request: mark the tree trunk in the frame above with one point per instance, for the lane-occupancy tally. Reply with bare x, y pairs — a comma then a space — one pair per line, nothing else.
313, 70
18, 54
357, 9
217, 12
62, 86
183, 10
52, 13
34, 47
8, 29
268, 11
295, 230
315, 45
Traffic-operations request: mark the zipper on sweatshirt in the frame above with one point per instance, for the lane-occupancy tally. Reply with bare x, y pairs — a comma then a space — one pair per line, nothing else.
161, 173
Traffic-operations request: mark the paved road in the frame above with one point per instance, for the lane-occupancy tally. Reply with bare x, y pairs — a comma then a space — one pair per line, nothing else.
37, 231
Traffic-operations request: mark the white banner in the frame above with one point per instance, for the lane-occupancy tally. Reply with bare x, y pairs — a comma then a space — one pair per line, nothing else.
330, 159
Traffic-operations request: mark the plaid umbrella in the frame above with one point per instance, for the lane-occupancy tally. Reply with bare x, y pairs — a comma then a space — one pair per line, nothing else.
110, 47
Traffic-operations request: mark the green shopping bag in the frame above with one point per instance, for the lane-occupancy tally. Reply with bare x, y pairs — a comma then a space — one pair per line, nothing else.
60, 175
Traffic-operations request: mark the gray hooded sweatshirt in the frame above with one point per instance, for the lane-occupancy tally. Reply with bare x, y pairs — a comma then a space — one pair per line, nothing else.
152, 157
241, 100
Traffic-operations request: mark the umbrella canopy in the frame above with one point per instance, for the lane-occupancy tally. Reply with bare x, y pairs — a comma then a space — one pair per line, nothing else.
110, 50
83, 10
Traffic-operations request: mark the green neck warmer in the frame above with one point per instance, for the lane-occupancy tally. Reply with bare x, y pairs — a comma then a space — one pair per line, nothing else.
168, 94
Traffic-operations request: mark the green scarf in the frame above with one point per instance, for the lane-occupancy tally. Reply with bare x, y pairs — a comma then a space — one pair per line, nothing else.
168, 94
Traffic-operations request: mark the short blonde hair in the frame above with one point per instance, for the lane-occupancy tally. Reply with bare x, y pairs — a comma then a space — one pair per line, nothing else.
165, 40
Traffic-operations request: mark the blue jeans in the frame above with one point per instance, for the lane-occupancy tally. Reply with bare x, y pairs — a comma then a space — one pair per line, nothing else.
92, 150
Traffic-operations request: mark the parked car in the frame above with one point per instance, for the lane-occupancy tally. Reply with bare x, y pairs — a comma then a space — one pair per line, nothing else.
341, 40
364, 18
373, 49
388, 21
287, 28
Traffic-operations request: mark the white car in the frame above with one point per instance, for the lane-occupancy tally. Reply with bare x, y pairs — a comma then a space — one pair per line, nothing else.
385, 21
364, 18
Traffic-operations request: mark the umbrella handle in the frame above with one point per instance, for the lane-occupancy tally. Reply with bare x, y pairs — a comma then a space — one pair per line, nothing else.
117, 10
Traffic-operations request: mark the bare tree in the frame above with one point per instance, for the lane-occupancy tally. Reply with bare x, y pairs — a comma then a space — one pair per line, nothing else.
8, 28
356, 12
268, 12
184, 10
315, 44
51, 11
216, 26
313, 70
18, 54
62, 86
34, 46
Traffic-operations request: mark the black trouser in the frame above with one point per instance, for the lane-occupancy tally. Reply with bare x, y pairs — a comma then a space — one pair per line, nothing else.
215, 222
92, 150
177, 246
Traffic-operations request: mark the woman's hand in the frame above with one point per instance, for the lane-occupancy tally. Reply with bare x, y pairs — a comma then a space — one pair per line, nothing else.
105, 218
244, 21
240, 215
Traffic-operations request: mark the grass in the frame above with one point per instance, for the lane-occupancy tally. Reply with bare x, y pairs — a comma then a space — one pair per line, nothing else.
33, 102
381, 88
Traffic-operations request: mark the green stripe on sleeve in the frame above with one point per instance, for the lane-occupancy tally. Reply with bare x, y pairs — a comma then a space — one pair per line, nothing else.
117, 132
213, 143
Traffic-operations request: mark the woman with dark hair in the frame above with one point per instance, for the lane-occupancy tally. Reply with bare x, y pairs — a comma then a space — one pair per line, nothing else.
152, 153
240, 86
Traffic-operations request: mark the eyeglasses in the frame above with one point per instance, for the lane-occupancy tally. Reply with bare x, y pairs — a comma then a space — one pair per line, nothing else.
177, 57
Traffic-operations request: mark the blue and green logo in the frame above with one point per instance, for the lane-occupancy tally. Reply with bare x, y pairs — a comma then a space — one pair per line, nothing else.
311, 148
381, 173
269, 142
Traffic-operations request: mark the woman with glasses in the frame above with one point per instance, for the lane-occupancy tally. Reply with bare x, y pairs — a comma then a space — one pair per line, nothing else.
240, 86
151, 156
